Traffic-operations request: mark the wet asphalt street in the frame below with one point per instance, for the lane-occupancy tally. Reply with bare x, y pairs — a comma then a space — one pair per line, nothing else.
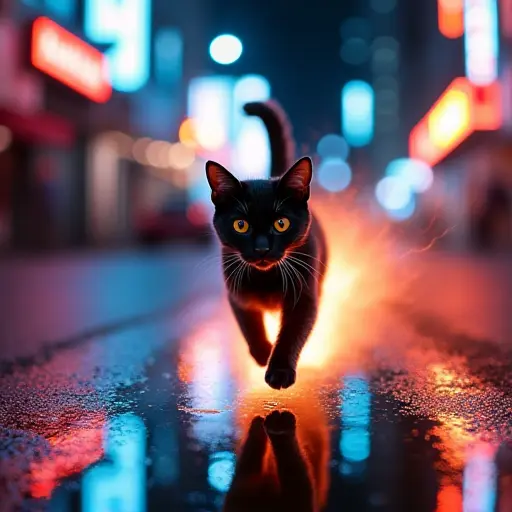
125, 387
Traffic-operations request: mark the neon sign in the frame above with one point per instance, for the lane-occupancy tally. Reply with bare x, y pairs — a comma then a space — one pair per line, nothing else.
63, 56
461, 110
357, 112
450, 16
127, 25
481, 40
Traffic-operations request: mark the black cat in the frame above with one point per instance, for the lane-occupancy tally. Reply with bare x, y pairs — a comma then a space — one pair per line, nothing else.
273, 251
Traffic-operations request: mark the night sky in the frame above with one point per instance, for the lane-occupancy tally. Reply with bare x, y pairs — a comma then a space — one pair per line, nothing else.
297, 48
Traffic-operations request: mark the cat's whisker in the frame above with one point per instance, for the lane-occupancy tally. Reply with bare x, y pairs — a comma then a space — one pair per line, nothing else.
301, 279
312, 271
298, 273
234, 278
292, 281
207, 266
247, 269
231, 259
209, 260
308, 256
283, 277
230, 265
230, 279
291, 255
239, 276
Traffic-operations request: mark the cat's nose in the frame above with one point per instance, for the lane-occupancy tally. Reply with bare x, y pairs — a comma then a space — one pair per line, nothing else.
261, 251
261, 246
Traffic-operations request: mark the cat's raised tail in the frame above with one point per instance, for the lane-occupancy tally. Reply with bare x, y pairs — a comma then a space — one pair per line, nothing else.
282, 145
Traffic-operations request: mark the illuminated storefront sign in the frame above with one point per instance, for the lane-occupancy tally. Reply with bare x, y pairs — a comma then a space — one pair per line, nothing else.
126, 24
450, 15
481, 40
461, 110
63, 56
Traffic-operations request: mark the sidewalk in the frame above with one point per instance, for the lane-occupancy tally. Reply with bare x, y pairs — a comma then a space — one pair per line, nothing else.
45, 300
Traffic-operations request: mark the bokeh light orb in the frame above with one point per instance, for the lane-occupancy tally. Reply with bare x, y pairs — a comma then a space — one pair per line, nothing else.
226, 49
334, 174
252, 88
416, 173
332, 146
355, 51
403, 213
180, 156
393, 193
187, 133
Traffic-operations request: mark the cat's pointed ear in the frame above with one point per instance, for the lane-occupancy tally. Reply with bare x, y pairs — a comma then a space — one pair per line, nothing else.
221, 181
297, 179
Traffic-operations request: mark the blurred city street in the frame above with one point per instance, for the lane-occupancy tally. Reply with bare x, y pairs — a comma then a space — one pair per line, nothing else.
164, 162
106, 406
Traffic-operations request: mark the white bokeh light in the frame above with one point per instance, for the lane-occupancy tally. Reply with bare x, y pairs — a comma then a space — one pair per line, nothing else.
416, 173
393, 193
226, 49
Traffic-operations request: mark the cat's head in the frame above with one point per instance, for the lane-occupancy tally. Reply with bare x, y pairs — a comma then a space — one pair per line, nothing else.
261, 219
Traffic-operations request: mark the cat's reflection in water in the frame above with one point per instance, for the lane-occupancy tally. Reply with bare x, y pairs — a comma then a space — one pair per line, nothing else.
280, 467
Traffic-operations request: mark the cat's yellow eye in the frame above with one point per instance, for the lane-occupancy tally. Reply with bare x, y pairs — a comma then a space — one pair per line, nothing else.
241, 226
282, 224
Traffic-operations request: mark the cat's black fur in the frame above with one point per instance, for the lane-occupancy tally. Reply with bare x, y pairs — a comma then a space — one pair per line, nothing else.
265, 269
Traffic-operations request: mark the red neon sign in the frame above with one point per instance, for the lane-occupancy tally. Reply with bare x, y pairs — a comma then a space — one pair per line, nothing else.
63, 56
462, 109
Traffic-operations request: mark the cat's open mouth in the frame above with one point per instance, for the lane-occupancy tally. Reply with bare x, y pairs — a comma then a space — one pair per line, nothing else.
264, 264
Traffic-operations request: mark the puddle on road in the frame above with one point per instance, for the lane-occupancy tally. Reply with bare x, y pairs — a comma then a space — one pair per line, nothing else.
135, 422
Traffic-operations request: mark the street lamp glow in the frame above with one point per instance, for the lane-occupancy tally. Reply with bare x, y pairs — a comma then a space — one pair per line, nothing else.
226, 49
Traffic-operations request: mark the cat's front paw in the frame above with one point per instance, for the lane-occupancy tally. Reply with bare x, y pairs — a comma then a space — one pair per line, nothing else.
280, 423
280, 377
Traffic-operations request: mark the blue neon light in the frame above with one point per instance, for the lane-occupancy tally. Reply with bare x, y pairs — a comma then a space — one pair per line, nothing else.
126, 24
357, 112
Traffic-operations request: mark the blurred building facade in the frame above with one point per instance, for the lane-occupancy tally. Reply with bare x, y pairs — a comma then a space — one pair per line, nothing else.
463, 128
74, 167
